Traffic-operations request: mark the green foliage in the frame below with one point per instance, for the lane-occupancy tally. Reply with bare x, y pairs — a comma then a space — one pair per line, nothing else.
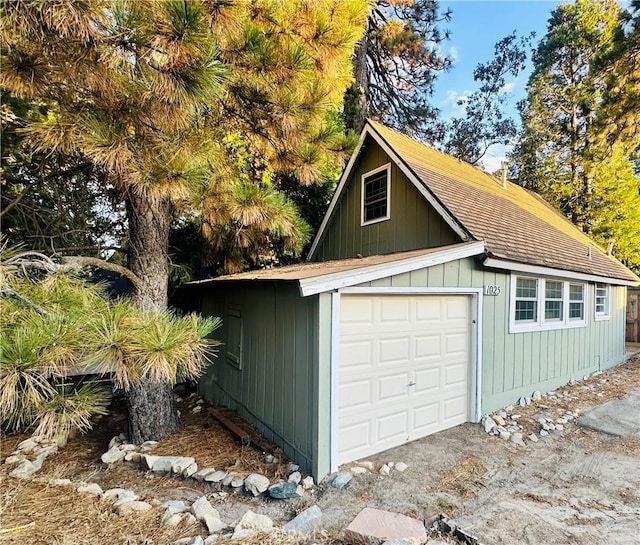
56, 325
484, 124
52, 202
149, 92
580, 129
395, 67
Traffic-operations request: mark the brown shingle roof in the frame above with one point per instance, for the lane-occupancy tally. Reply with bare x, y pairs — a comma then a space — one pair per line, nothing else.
516, 224
302, 271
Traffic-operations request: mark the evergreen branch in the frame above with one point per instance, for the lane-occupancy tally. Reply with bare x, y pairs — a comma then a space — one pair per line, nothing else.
77, 262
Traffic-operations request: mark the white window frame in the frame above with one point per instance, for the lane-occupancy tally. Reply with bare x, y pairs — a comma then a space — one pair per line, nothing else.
542, 324
366, 175
606, 315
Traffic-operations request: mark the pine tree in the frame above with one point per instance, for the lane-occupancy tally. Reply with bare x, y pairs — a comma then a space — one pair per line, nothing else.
395, 66
148, 91
578, 138
485, 124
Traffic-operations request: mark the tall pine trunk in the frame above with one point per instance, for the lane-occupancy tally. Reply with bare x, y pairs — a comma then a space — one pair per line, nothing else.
356, 107
151, 406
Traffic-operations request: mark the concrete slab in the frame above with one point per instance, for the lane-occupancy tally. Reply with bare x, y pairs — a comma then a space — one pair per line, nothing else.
619, 417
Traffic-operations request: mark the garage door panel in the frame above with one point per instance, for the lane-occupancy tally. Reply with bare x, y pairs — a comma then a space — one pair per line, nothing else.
456, 375
426, 416
355, 438
457, 308
358, 312
393, 426
356, 394
457, 343
427, 380
456, 409
394, 311
428, 311
427, 346
357, 355
394, 387
394, 350
404, 369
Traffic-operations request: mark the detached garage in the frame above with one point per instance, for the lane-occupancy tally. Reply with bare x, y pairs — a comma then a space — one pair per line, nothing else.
433, 293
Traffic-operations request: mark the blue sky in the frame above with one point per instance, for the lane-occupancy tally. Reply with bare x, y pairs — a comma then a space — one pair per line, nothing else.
475, 27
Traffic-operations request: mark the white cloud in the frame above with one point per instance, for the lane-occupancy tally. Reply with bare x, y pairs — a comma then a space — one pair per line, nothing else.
453, 54
509, 86
494, 158
455, 102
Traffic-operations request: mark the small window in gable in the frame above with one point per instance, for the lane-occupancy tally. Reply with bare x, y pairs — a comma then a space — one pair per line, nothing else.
602, 301
376, 195
234, 337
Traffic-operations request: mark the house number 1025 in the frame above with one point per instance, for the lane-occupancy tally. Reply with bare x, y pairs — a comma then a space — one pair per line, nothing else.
492, 290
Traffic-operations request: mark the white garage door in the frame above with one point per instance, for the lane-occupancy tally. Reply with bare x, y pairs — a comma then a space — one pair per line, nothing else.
404, 369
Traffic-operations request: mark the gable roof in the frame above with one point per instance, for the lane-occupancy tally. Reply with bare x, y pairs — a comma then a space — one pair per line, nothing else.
518, 227
324, 276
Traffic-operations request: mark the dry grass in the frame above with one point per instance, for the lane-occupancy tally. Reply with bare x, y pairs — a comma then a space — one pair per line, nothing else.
204, 438
465, 477
64, 517
630, 446
61, 516
201, 437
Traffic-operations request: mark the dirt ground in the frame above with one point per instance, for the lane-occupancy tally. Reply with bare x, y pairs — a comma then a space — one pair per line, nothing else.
575, 487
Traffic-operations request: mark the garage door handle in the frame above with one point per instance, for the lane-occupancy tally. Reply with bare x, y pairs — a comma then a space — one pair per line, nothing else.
412, 383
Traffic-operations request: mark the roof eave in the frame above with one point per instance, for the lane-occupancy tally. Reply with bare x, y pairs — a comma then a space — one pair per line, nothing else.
352, 277
505, 264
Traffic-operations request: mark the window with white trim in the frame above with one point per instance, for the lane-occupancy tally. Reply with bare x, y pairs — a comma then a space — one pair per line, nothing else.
539, 304
376, 195
576, 301
602, 301
526, 300
553, 295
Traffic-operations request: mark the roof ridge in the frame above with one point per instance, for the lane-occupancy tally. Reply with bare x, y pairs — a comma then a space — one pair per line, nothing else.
445, 155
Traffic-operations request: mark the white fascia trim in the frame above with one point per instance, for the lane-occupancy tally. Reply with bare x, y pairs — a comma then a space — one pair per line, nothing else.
451, 221
343, 279
334, 385
476, 332
334, 200
550, 271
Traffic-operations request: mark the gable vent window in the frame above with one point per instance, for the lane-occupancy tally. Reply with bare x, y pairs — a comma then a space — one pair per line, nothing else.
376, 186
602, 302
539, 304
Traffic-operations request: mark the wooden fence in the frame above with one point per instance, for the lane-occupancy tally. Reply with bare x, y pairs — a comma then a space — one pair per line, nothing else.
633, 316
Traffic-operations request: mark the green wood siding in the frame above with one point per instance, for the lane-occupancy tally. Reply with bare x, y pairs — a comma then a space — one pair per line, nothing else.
277, 386
516, 364
413, 223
